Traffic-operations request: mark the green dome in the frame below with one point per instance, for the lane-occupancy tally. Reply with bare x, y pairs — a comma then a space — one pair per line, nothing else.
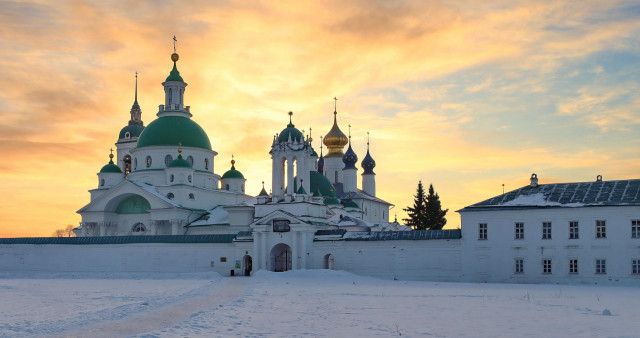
111, 168
173, 131
232, 173
296, 135
179, 163
134, 131
175, 74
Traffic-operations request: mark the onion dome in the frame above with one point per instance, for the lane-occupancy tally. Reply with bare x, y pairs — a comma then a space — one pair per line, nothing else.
111, 167
174, 75
233, 173
350, 158
290, 132
335, 140
263, 192
173, 131
321, 160
368, 163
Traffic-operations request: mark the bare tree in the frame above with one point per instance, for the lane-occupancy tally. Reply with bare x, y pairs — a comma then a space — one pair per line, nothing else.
66, 232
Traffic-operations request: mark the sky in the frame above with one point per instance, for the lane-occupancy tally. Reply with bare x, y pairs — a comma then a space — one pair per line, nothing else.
463, 95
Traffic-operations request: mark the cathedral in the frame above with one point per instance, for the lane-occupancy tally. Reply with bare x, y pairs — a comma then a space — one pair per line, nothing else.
163, 182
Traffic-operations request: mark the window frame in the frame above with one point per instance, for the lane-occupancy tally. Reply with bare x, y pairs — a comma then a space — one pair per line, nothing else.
601, 228
519, 266
574, 266
635, 266
635, 228
574, 230
483, 231
546, 230
547, 265
601, 266
518, 230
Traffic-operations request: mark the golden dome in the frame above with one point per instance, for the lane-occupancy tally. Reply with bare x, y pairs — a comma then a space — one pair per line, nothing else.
335, 140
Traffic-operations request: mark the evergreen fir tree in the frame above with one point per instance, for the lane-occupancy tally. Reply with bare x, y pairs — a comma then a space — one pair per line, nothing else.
434, 215
416, 214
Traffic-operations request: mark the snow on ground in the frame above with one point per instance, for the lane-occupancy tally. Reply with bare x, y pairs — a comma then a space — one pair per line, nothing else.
307, 303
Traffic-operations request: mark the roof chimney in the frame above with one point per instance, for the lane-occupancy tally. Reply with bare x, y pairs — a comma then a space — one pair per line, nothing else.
534, 180
599, 178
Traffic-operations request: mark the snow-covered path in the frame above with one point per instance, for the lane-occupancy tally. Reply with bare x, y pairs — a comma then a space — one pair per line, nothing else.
204, 299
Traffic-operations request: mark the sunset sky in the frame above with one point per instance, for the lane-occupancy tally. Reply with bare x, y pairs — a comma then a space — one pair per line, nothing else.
465, 96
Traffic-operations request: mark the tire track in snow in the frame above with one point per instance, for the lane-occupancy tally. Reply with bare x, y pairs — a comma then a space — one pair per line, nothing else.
227, 290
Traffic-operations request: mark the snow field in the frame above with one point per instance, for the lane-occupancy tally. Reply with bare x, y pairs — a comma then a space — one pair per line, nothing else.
320, 303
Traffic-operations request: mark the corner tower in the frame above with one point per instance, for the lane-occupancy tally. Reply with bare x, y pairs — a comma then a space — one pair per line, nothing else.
128, 136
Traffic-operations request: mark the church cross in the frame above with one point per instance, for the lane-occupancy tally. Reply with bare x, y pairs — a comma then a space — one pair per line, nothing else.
174, 43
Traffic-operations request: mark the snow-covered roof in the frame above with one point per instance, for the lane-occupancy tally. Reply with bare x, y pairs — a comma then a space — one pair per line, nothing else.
566, 195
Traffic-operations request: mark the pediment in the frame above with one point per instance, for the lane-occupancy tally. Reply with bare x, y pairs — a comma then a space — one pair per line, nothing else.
108, 201
277, 215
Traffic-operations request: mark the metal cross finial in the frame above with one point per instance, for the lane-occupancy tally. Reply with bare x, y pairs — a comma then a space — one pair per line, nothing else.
335, 105
290, 114
136, 98
111, 155
367, 141
174, 43
349, 131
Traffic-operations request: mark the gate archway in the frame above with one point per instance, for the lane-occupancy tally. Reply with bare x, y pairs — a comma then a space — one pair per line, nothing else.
281, 258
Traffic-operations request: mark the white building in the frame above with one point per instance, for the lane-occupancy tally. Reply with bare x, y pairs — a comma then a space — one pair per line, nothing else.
554, 233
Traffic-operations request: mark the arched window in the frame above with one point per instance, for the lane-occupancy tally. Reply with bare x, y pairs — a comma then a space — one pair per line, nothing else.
243, 188
167, 160
127, 164
135, 163
148, 161
206, 164
336, 177
189, 178
102, 182
170, 195
190, 160
171, 178
226, 187
191, 196
138, 227
170, 94
127, 135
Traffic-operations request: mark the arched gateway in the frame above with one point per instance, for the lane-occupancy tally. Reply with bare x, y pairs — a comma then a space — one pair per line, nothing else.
281, 258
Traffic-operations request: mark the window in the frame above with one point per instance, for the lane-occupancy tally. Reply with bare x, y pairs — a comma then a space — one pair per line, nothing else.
191, 196
635, 228
635, 266
336, 177
148, 161
226, 187
519, 230
601, 266
190, 160
167, 160
482, 231
170, 94
206, 164
573, 266
127, 164
573, 230
189, 178
138, 227
519, 265
171, 178
170, 195
601, 229
135, 163
127, 135
546, 266
242, 188
102, 182
546, 230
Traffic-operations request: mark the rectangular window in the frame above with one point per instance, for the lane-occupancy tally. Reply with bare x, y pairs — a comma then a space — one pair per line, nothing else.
635, 266
601, 229
519, 230
519, 265
573, 266
482, 231
546, 266
546, 230
601, 266
635, 228
573, 230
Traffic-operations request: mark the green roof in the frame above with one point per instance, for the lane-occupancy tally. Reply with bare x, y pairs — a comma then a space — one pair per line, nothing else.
319, 184
290, 130
263, 192
232, 173
331, 201
134, 131
111, 168
174, 131
350, 204
179, 163
175, 74
135, 204
135, 105
301, 191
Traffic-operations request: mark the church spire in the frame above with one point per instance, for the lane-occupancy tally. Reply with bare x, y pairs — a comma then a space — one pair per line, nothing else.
174, 87
136, 113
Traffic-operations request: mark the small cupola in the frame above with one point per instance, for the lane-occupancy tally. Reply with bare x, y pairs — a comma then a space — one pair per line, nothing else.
110, 174
534, 180
350, 158
179, 171
232, 179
